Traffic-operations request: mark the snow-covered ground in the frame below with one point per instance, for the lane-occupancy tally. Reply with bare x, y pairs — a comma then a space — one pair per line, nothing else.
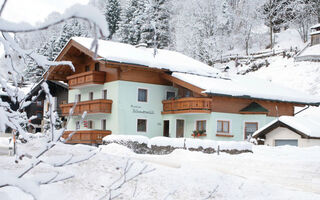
268, 173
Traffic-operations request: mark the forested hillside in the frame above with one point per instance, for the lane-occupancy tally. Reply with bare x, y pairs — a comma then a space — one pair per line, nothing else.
204, 30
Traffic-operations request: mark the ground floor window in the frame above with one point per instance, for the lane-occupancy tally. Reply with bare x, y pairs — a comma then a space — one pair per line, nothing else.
223, 126
250, 128
142, 125
201, 125
38, 130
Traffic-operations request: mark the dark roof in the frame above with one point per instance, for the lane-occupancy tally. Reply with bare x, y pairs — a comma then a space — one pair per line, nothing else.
37, 86
254, 108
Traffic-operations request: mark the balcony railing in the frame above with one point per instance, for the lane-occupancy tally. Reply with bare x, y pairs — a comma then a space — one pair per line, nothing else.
187, 105
93, 106
86, 78
87, 136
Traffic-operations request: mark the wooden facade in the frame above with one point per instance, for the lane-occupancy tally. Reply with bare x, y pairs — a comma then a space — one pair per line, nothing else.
86, 78
87, 136
91, 107
187, 105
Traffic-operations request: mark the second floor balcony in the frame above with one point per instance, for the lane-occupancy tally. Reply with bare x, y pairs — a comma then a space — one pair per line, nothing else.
86, 78
92, 107
187, 105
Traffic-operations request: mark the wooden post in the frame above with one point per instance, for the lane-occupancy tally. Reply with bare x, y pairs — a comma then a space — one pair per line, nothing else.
218, 151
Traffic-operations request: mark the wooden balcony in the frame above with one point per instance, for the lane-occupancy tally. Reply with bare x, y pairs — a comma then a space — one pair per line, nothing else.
86, 78
187, 105
94, 106
87, 136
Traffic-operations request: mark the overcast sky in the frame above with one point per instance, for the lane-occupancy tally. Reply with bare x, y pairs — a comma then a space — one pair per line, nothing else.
33, 11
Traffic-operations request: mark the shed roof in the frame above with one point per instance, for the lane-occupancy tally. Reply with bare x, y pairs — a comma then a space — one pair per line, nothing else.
306, 126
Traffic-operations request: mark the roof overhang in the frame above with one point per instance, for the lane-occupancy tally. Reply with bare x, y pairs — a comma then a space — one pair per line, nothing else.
276, 124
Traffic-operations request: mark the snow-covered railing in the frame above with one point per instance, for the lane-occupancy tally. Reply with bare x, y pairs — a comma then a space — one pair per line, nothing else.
163, 145
256, 55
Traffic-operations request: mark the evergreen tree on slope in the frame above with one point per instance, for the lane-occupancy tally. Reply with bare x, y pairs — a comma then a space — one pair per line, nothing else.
112, 14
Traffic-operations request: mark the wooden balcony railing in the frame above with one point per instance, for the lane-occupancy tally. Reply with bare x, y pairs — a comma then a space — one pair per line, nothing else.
87, 136
187, 105
94, 106
86, 78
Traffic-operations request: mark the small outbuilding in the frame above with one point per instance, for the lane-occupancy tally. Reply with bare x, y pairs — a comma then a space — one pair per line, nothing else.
301, 131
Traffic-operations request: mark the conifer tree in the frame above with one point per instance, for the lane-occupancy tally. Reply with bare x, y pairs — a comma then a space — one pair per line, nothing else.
112, 14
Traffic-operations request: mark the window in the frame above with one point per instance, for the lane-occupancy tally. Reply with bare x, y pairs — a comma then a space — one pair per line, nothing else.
87, 68
104, 94
104, 124
78, 97
142, 125
201, 125
90, 124
170, 95
39, 115
77, 124
142, 95
91, 96
39, 103
223, 126
250, 128
96, 67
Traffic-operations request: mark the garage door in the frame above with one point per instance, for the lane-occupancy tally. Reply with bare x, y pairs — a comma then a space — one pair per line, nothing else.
286, 142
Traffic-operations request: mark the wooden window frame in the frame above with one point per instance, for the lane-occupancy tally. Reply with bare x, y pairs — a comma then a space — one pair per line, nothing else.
147, 94
97, 67
90, 124
203, 121
78, 98
87, 68
175, 94
78, 125
104, 124
91, 94
245, 127
222, 126
146, 125
105, 94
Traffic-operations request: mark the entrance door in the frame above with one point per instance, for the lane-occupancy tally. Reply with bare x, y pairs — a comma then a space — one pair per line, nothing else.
180, 128
166, 128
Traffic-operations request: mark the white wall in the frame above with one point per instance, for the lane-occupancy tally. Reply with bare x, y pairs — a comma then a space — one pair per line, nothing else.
285, 134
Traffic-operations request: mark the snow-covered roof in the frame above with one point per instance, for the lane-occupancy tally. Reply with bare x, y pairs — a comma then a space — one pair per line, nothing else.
247, 87
315, 33
308, 125
315, 26
164, 59
311, 51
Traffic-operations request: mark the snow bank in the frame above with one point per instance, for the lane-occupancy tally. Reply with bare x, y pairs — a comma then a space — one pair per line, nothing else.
179, 142
126, 138
116, 149
5, 142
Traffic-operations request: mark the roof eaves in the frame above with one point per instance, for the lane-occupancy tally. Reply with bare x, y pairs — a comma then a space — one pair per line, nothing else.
265, 99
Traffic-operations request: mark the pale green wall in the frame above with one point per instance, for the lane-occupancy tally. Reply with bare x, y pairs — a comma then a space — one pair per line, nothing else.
237, 124
128, 101
123, 119
112, 119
